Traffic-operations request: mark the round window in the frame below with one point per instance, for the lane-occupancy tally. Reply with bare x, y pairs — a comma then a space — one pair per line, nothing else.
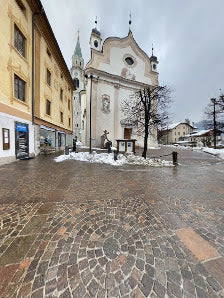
96, 43
129, 60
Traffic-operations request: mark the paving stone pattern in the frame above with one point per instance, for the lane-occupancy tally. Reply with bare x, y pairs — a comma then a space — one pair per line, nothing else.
79, 230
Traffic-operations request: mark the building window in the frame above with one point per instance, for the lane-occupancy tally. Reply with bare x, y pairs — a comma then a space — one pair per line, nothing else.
5, 139
19, 88
77, 125
61, 95
61, 117
48, 77
49, 53
76, 82
19, 41
69, 121
69, 104
62, 76
129, 61
48, 107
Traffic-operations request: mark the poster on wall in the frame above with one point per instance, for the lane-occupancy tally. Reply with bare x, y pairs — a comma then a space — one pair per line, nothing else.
22, 140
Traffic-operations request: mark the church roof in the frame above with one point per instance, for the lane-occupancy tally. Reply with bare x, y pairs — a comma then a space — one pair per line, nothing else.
78, 51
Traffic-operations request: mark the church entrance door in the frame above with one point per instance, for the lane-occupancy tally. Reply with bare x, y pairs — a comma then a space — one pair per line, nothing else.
127, 133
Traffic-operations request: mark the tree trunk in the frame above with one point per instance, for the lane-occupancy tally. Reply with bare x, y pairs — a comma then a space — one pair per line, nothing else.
145, 146
146, 138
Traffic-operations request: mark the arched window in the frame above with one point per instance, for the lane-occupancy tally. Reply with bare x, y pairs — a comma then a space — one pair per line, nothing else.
76, 82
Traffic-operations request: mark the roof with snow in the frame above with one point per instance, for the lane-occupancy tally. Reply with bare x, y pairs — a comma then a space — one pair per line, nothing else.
199, 133
173, 125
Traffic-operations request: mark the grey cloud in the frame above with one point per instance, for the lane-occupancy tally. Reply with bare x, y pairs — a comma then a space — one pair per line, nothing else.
187, 36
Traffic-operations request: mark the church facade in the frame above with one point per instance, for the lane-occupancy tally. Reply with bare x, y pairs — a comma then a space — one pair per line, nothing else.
118, 68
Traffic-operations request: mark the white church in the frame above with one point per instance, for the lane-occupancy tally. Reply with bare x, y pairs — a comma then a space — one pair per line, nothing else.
117, 69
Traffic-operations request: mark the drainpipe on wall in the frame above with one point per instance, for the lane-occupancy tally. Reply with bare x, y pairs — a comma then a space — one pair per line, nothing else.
33, 60
33, 70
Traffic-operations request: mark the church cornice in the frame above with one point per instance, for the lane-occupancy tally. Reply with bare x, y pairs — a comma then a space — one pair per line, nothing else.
115, 79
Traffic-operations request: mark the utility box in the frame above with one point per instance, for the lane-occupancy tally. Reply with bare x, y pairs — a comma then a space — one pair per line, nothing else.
126, 145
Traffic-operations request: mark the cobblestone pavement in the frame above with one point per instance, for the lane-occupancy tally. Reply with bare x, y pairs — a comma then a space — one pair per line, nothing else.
74, 229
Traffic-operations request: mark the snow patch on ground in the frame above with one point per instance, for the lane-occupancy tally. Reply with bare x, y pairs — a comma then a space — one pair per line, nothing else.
108, 158
216, 152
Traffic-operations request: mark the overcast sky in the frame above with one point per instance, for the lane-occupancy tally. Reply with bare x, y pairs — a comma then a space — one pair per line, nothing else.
188, 38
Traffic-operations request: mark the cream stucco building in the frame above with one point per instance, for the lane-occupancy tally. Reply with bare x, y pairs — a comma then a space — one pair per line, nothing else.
36, 88
117, 69
176, 132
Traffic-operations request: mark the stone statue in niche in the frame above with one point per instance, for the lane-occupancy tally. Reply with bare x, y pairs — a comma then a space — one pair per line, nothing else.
106, 104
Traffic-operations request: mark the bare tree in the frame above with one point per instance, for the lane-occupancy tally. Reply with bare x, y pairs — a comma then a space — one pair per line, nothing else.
147, 110
214, 116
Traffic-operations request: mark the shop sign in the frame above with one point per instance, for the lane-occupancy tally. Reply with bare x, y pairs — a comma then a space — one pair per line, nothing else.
21, 127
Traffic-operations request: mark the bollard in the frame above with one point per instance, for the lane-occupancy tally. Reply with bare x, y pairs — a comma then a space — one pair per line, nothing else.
174, 154
66, 150
115, 155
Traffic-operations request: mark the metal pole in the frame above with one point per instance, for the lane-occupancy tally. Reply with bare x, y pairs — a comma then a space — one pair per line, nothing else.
90, 115
214, 119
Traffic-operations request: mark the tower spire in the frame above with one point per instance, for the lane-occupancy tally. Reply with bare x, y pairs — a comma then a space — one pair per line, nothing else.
152, 49
96, 22
78, 51
130, 21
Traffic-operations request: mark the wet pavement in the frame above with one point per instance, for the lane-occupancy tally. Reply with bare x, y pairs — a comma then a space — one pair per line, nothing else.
74, 229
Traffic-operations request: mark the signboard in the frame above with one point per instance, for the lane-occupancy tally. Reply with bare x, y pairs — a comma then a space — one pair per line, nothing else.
21, 127
22, 140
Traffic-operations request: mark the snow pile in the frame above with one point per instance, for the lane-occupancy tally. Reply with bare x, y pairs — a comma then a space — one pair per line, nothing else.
138, 160
108, 158
217, 152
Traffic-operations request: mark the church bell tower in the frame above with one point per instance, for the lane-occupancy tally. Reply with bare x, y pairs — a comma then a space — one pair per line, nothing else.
95, 39
77, 74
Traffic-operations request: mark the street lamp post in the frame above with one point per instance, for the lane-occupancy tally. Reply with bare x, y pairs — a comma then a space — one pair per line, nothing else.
213, 100
90, 114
